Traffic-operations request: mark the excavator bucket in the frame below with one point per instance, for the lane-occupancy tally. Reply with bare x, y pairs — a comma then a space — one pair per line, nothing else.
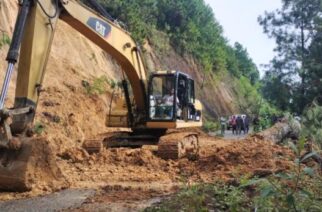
14, 167
33, 164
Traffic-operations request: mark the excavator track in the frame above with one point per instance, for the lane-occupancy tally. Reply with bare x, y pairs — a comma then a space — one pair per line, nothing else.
179, 145
173, 145
118, 139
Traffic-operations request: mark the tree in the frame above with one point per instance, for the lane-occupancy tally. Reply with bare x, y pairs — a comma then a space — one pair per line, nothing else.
315, 66
245, 63
293, 27
277, 89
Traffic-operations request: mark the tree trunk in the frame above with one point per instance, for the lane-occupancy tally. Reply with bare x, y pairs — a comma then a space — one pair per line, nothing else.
280, 131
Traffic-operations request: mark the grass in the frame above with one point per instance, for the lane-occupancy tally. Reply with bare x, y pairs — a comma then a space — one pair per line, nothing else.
205, 197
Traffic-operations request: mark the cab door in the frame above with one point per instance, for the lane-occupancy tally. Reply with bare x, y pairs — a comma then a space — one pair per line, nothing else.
162, 98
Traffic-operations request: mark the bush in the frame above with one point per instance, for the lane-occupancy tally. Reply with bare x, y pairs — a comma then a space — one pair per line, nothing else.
205, 197
99, 85
298, 189
312, 124
4, 40
210, 126
39, 128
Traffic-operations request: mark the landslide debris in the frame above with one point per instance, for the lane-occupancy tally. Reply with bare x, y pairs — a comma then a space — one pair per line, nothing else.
220, 160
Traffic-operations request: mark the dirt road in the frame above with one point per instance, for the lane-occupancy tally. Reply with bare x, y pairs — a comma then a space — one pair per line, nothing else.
69, 198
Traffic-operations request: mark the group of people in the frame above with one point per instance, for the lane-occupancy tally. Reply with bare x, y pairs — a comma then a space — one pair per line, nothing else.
240, 123
237, 123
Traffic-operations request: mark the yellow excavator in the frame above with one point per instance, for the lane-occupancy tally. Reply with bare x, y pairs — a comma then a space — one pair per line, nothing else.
155, 109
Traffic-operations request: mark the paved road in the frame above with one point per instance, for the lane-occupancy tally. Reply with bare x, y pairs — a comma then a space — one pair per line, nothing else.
69, 198
229, 135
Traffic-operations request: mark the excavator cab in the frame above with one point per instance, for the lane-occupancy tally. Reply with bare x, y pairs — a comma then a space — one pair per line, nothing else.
172, 102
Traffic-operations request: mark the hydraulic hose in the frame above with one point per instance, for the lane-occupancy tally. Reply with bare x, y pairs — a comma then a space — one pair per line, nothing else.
18, 32
99, 9
13, 52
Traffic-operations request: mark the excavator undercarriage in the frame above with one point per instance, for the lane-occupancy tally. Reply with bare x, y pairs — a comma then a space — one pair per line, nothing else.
173, 144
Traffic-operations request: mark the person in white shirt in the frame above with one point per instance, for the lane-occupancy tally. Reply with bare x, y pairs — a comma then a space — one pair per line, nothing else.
168, 101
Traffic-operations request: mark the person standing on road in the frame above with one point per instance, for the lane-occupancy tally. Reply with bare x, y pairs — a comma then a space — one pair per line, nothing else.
234, 124
239, 122
246, 123
223, 125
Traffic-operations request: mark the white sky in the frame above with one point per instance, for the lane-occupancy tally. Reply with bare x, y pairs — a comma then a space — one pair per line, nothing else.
239, 21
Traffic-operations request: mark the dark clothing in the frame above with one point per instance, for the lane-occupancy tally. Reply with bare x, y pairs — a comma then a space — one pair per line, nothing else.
240, 124
246, 123
234, 125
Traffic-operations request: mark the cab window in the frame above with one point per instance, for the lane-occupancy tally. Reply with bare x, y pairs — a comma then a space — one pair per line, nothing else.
162, 97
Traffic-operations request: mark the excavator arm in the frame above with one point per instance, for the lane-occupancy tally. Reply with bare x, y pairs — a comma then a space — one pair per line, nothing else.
37, 37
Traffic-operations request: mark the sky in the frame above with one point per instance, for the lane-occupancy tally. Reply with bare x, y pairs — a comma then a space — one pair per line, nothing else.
239, 21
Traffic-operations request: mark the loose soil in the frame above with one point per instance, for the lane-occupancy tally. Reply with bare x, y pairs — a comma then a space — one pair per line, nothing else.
133, 175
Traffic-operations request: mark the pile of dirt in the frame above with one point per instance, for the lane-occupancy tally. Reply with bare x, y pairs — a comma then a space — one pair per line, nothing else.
43, 171
248, 157
143, 165
220, 160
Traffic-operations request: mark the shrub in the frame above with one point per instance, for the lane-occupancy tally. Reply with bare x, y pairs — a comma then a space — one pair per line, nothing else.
210, 126
312, 124
298, 189
99, 85
205, 197
39, 128
4, 40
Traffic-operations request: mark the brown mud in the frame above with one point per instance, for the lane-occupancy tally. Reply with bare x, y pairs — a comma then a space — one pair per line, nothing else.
143, 169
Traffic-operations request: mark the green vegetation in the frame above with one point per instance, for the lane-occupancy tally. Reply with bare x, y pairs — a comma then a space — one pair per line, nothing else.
210, 126
99, 85
293, 79
205, 197
4, 39
292, 82
298, 189
39, 128
312, 123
